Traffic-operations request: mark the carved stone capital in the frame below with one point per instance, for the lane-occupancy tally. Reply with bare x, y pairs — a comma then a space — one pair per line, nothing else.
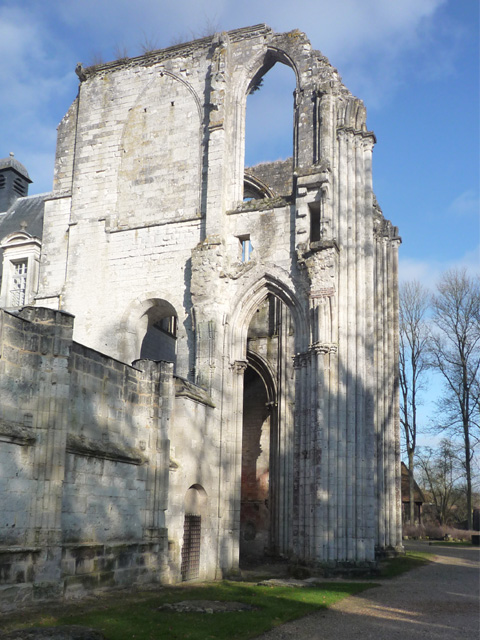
323, 348
324, 292
239, 366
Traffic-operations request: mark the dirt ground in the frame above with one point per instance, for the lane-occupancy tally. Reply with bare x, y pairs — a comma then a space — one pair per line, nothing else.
438, 601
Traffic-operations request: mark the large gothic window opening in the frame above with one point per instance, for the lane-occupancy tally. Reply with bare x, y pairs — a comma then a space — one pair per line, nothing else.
269, 125
160, 339
267, 469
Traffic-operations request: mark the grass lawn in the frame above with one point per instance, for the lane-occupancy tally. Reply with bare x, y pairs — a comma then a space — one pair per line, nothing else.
393, 567
127, 615
138, 616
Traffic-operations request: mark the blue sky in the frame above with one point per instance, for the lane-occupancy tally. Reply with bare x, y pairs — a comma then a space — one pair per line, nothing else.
415, 63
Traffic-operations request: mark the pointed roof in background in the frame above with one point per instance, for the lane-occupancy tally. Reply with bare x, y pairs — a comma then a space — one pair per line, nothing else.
417, 492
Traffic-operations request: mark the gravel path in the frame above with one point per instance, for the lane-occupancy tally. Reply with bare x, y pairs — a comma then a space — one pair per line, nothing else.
439, 601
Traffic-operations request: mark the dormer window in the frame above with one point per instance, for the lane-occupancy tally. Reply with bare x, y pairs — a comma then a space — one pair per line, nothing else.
21, 255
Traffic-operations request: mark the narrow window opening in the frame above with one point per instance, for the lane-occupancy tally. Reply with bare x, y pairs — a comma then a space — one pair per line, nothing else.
245, 248
315, 235
2, 181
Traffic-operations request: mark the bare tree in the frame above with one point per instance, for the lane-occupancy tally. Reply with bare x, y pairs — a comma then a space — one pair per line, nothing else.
441, 475
120, 51
96, 58
148, 43
414, 301
455, 353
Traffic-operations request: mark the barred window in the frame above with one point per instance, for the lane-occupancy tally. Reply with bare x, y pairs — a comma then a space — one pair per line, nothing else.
19, 282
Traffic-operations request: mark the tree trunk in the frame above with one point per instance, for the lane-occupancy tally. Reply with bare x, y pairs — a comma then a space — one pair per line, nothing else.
411, 488
468, 474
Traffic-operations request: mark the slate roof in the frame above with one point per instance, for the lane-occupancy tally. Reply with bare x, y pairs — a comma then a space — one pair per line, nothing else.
12, 163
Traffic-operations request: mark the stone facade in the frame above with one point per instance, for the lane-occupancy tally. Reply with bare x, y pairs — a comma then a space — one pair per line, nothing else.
273, 431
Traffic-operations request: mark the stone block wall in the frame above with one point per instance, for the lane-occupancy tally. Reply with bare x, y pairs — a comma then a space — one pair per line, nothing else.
84, 455
195, 462
277, 175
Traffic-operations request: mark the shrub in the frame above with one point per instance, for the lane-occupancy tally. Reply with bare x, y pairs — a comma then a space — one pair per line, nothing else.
436, 532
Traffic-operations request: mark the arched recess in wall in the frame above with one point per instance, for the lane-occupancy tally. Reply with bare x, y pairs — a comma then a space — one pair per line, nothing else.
148, 329
270, 126
158, 324
195, 506
153, 149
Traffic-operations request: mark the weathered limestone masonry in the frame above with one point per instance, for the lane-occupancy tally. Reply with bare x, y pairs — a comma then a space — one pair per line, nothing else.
83, 462
274, 432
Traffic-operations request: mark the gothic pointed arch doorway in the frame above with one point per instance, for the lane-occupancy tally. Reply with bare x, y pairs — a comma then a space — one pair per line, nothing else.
267, 434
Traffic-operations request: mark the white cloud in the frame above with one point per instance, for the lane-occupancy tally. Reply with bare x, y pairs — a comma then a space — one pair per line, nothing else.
345, 30
466, 203
36, 90
428, 272
42, 42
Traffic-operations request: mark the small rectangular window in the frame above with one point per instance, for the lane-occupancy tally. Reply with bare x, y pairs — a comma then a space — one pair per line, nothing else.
246, 248
314, 208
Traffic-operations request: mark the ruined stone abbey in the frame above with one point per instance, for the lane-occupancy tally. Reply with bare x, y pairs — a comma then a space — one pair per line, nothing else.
198, 359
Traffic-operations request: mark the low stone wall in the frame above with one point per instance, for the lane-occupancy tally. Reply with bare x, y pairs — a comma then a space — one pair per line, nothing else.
17, 575
84, 458
87, 567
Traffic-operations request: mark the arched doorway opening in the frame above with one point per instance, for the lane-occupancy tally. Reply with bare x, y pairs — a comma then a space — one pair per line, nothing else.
255, 502
195, 503
267, 434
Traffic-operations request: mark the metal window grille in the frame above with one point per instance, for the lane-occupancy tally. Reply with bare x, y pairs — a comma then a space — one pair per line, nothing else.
18, 292
190, 567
